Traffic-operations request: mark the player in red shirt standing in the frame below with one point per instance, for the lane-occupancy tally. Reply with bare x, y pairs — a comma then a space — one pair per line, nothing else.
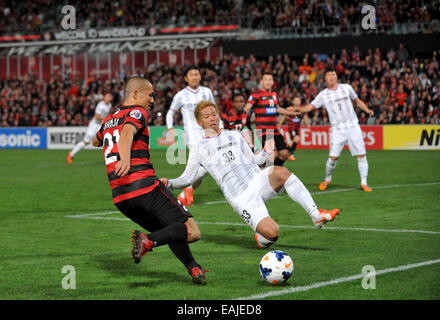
237, 119
264, 103
294, 127
137, 192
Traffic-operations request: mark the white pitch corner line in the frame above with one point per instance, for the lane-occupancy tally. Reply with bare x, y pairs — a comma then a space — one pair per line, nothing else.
336, 281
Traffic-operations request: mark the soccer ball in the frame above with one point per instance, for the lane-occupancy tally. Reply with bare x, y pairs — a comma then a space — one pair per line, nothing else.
276, 267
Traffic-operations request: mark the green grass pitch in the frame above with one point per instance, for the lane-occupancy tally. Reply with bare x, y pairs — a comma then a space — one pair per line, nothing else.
39, 192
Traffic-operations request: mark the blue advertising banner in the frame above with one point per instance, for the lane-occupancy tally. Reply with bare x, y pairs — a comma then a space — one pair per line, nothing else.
23, 138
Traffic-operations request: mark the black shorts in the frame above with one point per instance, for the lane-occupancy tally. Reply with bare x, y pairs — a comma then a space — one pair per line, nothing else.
280, 144
294, 131
154, 210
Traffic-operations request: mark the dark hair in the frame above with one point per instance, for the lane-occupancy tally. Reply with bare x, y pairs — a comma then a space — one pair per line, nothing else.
329, 69
237, 94
266, 73
189, 68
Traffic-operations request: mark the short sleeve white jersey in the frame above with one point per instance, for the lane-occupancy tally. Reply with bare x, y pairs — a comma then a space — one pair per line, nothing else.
186, 101
339, 106
101, 109
227, 158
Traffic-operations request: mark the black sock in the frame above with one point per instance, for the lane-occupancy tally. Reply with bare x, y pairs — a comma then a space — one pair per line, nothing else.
278, 162
293, 148
174, 233
182, 252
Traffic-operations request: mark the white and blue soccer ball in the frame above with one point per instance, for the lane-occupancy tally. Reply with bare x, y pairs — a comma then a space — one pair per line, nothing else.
276, 267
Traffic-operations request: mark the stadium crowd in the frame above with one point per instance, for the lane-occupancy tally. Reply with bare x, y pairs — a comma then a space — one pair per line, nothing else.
398, 88
45, 15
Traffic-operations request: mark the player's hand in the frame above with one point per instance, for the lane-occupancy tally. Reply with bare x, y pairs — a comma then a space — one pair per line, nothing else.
164, 181
122, 168
269, 147
370, 112
171, 134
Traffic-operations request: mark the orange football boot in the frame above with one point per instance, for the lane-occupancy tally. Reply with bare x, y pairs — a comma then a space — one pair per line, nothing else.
189, 195
325, 216
323, 185
69, 158
366, 188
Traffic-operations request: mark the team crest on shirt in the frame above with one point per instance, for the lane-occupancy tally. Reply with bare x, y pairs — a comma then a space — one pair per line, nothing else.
205, 97
135, 114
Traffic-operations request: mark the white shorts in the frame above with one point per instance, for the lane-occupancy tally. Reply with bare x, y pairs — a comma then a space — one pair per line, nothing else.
250, 203
353, 136
92, 129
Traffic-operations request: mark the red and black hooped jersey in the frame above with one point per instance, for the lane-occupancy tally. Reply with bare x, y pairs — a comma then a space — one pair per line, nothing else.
293, 122
234, 121
141, 178
265, 108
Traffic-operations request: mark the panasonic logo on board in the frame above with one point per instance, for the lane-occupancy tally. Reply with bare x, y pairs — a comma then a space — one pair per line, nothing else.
26, 139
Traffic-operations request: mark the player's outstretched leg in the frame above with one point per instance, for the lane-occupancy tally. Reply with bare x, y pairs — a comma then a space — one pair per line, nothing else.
173, 233
297, 192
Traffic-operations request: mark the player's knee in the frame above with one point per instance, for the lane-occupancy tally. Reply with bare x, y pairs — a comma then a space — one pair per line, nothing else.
194, 233
283, 154
296, 139
282, 174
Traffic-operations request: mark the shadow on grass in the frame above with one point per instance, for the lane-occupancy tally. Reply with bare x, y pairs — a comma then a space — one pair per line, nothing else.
249, 243
123, 266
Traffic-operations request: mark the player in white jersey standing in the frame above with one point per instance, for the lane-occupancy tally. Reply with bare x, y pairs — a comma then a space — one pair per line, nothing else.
186, 101
337, 100
101, 111
227, 157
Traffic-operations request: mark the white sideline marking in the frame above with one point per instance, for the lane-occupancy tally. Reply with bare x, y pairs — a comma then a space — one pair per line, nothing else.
345, 190
98, 216
336, 281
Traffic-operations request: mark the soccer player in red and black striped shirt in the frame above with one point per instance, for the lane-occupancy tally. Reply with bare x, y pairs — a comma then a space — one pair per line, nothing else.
137, 192
236, 118
294, 126
264, 104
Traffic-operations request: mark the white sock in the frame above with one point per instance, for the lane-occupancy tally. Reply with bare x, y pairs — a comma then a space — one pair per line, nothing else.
363, 169
298, 193
329, 168
78, 147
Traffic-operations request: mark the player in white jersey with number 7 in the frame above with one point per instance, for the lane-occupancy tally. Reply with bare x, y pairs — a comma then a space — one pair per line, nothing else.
337, 100
186, 101
227, 157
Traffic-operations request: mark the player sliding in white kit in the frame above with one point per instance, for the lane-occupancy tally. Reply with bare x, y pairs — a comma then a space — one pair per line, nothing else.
101, 111
227, 157
337, 100
186, 101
